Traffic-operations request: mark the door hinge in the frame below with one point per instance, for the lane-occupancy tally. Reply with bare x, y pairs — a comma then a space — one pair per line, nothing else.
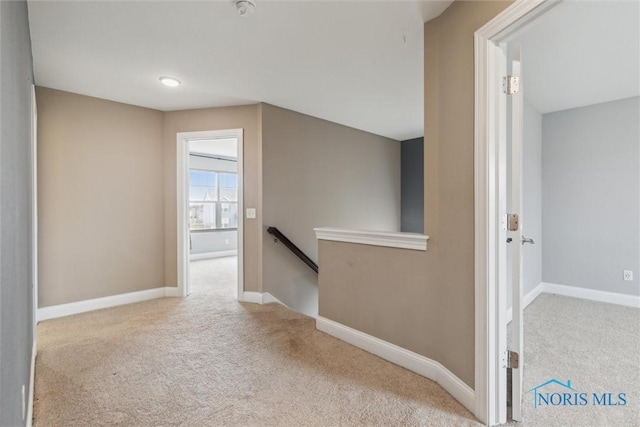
510, 84
510, 222
510, 359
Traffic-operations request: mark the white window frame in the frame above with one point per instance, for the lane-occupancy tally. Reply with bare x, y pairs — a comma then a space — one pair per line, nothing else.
217, 203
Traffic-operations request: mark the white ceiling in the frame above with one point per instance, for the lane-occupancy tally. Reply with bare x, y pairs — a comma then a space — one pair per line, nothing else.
582, 53
358, 63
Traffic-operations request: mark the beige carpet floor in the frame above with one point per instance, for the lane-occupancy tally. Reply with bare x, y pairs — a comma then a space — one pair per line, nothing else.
596, 346
207, 360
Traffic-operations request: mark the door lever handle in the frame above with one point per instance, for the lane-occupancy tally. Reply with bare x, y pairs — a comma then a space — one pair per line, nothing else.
527, 240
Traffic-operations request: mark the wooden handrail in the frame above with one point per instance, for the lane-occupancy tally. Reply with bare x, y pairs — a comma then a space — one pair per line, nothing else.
293, 248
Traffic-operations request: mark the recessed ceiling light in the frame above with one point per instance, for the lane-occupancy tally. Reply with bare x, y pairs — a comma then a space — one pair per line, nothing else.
170, 81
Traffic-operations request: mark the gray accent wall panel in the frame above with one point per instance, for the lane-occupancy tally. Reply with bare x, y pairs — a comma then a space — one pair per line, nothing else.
590, 205
412, 186
16, 289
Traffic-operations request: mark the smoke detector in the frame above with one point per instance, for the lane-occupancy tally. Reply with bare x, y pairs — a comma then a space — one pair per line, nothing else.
245, 7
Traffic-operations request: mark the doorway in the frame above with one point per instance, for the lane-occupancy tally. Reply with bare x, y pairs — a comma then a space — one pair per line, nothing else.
578, 175
495, 134
209, 207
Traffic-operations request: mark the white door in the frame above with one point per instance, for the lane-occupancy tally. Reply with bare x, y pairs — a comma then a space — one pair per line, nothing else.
517, 240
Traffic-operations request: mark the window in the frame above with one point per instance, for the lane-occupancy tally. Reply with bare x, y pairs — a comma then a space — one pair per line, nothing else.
213, 200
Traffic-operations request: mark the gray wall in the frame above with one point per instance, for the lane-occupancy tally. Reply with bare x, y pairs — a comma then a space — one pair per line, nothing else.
412, 186
316, 174
590, 187
213, 241
16, 281
209, 242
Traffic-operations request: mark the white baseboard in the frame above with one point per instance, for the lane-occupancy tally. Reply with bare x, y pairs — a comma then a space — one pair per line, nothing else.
592, 294
402, 357
208, 255
528, 299
260, 298
576, 292
252, 297
267, 298
173, 291
55, 311
32, 381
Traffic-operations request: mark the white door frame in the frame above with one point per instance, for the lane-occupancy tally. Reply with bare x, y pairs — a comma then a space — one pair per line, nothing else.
516, 190
490, 204
182, 190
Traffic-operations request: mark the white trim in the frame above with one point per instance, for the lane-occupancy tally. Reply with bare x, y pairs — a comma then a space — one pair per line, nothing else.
267, 298
182, 191
577, 292
55, 311
172, 292
532, 295
487, 377
240, 237
376, 238
592, 294
528, 299
489, 196
252, 297
32, 381
402, 357
260, 298
210, 255
62, 310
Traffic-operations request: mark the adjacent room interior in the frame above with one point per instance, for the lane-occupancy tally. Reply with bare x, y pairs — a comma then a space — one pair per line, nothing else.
213, 215
580, 206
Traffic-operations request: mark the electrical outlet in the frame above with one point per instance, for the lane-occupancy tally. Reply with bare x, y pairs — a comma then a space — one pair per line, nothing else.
627, 275
226, 241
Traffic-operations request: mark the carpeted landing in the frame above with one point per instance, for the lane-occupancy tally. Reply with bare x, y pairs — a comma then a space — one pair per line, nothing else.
207, 360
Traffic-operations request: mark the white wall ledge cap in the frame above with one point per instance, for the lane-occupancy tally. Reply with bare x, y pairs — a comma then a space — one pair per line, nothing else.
389, 239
